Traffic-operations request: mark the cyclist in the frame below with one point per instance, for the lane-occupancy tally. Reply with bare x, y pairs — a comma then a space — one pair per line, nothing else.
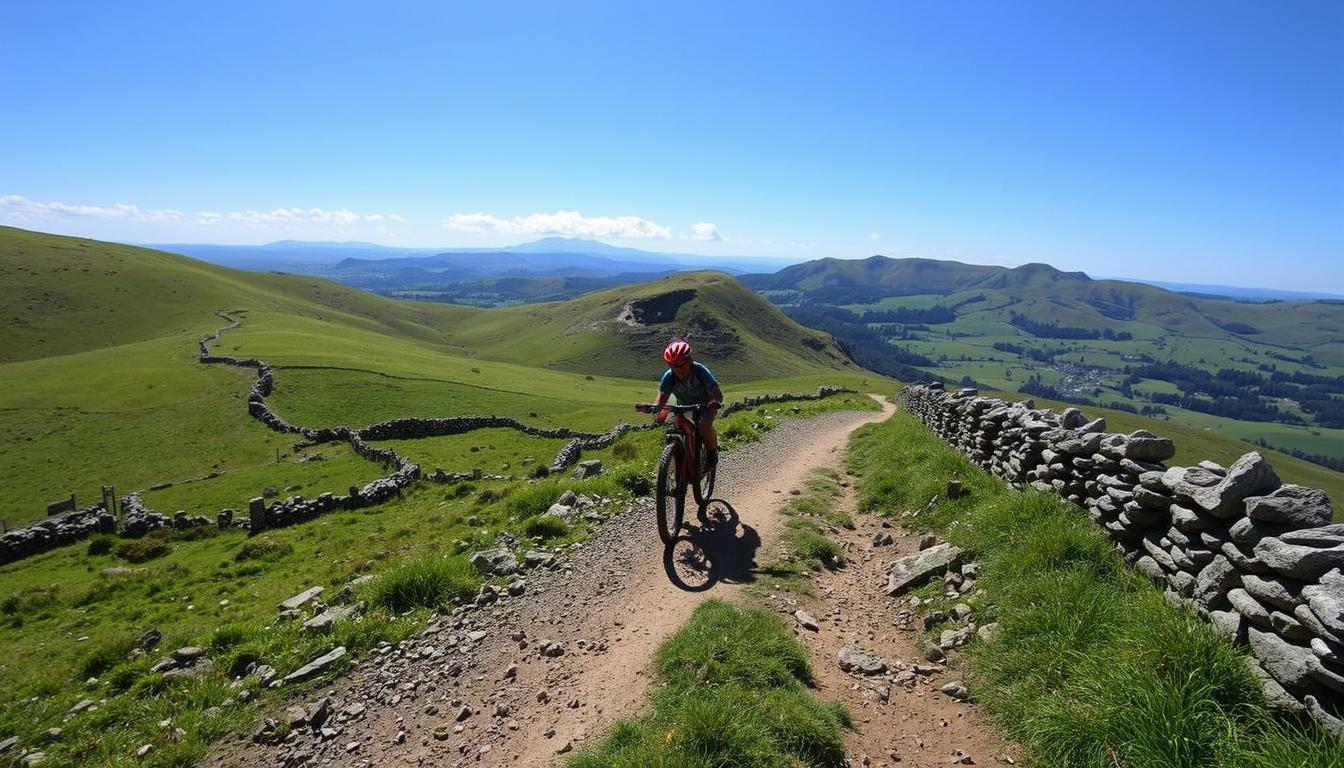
693, 384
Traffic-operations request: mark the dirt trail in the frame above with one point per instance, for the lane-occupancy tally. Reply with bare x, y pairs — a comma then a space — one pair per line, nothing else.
533, 677
910, 723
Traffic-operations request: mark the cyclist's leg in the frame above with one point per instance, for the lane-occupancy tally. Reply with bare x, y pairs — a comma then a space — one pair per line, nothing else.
709, 436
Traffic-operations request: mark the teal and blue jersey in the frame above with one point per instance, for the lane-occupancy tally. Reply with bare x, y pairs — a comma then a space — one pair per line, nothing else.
693, 390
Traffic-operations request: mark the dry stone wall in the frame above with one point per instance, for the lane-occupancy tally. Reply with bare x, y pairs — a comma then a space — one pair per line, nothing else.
138, 520
1258, 558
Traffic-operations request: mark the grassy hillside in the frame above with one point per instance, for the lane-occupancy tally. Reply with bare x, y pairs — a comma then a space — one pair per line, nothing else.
1271, 372
101, 384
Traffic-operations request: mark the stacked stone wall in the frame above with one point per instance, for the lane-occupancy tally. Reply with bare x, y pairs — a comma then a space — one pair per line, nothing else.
1260, 559
138, 520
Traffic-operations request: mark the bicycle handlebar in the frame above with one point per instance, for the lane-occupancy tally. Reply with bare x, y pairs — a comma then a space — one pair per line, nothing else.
654, 407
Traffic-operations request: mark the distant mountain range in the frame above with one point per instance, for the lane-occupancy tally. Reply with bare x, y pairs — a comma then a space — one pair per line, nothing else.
550, 255
401, 270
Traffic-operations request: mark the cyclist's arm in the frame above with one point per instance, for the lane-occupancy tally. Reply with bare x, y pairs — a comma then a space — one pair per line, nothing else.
716, 394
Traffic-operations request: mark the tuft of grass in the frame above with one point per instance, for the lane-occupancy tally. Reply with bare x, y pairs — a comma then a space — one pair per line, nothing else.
1091, 667
264, 548
105, 656
100, 545
732, 694
547, 527
432, 581
143, 550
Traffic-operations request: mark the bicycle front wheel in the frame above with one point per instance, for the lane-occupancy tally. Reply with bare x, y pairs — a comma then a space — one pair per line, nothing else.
670, 494
703, 487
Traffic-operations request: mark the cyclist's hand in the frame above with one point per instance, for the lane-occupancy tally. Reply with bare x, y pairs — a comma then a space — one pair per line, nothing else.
661, 417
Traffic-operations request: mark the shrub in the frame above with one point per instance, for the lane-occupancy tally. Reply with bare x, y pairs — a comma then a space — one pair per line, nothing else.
265, 548
429, 582
545, 526
624, 450
228, 636
28, 599
100, 545
491, 495
143, 550
532, 500
104, 656
637, 483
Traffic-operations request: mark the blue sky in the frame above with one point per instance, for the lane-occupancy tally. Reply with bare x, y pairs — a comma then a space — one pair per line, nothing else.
1193, 141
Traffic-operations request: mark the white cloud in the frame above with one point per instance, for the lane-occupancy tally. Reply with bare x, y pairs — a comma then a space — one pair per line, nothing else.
567, 223
20, 208
23, 209
705, 230
874, 236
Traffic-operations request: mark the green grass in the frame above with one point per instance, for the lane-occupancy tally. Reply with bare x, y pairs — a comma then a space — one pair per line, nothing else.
730, 691
101, 385
1091, 666
431, 581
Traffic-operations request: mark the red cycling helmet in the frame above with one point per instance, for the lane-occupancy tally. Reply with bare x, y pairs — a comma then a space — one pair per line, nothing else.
676, 352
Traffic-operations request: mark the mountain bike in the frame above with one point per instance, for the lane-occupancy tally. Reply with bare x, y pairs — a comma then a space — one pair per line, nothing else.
682, 464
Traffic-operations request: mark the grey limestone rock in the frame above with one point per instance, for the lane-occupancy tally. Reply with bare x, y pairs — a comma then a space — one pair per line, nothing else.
1326, 599
316, 666
1244, 562
1306, 561
1145, 446
1290, 628
916, 569
1249, 475
1289, 664
1310, 620
1215, 581
1280, 592
303, 598
855, 659
498, 561
1229, 624
1292, 505
1247, 606
1330, 722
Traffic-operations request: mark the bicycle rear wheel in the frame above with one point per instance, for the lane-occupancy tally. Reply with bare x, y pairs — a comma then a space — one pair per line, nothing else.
670, 494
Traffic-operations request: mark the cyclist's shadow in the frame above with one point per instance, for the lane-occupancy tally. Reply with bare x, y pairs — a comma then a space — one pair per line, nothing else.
719, 547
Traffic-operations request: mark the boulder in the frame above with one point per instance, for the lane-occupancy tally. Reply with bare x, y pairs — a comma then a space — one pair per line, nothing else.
1290, 664
917, 568
316, 666
1305, 561
497, 562
1327, 600
1249, 475
1329, 722
1292, 505
1145, 446
1215, 581
303, 598
1247, 606
861, 662
1277, 591
1229, 624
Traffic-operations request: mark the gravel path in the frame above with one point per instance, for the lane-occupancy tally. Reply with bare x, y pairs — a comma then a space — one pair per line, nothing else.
534, 676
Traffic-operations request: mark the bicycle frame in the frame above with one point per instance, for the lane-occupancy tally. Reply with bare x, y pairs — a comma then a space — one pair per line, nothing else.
687, 433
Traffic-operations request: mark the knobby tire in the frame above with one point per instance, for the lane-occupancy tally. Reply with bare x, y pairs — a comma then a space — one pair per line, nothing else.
670, 494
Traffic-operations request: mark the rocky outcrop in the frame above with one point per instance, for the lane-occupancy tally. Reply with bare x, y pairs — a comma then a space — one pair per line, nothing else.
1258, 558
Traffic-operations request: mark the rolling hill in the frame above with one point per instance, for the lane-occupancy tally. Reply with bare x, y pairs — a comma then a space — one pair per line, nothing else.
101, 382
1269, 373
